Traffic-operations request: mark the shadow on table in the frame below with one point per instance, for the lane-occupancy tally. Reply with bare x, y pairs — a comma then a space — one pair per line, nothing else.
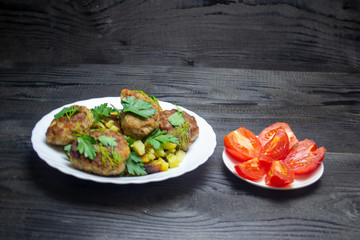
66, 188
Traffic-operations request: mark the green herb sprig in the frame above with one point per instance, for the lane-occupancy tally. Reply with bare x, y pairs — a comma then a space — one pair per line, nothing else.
157, 138
138, 106
67, 111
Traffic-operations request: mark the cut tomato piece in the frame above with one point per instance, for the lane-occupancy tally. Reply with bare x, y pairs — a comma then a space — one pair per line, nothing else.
305, 157
279, 175
267, 134
242, 144
251, 169
277, 147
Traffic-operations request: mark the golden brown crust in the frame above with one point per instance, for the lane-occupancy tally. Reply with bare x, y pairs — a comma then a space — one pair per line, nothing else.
137, 127
61, 131
97, 166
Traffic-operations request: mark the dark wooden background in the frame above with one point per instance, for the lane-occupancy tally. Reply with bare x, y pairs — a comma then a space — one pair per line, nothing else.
296, 35
235, 63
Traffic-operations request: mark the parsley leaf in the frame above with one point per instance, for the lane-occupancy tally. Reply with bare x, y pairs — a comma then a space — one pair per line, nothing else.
67, 111
86, 147
143, 93
67, 149
157, 138
101, 111
138, 106
134, 165
107, 141
129, 140
176, 119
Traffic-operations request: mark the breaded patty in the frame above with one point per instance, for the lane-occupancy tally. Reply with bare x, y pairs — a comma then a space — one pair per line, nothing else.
186, 134
102, 165
61, 131
138, 127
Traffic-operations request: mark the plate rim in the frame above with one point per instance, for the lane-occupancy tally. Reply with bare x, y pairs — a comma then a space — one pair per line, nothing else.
205, 129
227, 159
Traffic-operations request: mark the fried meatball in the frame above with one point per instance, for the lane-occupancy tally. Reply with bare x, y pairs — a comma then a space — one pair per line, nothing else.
102, 165
135, 126
186, 133
61, 131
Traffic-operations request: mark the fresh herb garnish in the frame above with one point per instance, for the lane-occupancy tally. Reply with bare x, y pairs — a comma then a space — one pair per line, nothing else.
129, 140
138, 106
182, 133
107, 141
67, 111
157, 138
135, 165
145, 94
67, 149
106, 155
176, 119
86, 147
100, 112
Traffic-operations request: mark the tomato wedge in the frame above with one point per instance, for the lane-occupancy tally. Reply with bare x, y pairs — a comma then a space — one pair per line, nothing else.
242, 144
279, 174
305, 157
267, 134
277, 147
251, 169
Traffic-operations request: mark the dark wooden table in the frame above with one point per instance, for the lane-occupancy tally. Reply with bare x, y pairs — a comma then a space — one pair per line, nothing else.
234, 63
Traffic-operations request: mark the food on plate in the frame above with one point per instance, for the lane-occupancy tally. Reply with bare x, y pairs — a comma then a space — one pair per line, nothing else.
251, 169
242, 144
181, 125
140, 115
279, 174
267, 134
277, 147
128, 141
67, 123
100, 152
305, 157
276, 154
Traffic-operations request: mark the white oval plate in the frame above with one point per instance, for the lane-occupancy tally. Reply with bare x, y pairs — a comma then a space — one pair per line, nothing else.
198, 153
300, 181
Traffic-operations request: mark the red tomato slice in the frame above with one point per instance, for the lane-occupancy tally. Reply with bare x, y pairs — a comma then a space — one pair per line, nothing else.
267, 134
279, 174
305, 157
242, 144
251, 169
277, 147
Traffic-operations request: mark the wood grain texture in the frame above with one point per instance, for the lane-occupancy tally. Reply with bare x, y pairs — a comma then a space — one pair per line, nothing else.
247, 34
39, 202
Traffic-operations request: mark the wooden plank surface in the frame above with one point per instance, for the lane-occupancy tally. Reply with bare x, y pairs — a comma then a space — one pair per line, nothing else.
252, 34
39, 202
